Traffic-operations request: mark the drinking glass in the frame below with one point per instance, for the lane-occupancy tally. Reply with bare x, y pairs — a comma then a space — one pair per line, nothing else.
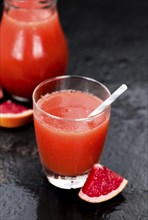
68, 147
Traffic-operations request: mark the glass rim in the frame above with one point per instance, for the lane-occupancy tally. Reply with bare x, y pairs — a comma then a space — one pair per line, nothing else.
43, 4
65, 77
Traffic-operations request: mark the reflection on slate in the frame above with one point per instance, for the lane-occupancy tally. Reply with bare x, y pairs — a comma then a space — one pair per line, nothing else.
107, 41
68, 205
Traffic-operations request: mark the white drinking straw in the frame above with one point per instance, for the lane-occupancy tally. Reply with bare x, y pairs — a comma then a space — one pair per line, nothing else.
109, 100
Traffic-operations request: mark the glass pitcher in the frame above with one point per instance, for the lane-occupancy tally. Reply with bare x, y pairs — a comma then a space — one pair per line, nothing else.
33, 45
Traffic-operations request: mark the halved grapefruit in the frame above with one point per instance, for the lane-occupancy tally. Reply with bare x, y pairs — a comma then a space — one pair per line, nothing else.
14, 115
101, 185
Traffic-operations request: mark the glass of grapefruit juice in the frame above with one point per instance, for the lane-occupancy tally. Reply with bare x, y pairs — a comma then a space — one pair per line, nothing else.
33, 45
69, 142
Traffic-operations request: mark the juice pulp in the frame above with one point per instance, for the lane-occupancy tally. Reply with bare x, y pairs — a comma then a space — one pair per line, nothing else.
67, 146
33, 48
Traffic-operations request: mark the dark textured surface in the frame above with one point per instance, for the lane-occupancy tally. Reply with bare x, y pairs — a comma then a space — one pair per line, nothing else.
108, 41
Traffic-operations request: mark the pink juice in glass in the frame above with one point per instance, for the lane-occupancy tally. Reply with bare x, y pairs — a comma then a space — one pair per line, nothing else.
68, 143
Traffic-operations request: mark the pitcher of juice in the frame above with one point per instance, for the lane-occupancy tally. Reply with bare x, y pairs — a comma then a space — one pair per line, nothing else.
33, 46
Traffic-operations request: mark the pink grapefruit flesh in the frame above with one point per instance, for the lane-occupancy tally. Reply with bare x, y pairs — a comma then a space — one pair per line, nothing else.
101, 185
14, 115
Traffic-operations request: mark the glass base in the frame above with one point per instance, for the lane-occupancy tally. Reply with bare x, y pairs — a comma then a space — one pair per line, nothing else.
66, 182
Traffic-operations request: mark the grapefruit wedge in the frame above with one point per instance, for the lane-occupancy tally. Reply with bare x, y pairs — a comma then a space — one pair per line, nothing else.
14, 115
101, 185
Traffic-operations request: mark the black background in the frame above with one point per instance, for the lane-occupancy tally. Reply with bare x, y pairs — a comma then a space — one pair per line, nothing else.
107, 41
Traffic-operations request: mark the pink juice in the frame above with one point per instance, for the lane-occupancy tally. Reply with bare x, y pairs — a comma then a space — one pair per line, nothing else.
69, 144
33, 48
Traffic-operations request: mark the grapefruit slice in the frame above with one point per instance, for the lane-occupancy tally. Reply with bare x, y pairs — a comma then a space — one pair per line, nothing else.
101, 185
14, 115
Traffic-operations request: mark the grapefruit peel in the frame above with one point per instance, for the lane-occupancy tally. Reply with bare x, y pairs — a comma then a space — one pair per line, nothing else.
14, 119
86, 192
